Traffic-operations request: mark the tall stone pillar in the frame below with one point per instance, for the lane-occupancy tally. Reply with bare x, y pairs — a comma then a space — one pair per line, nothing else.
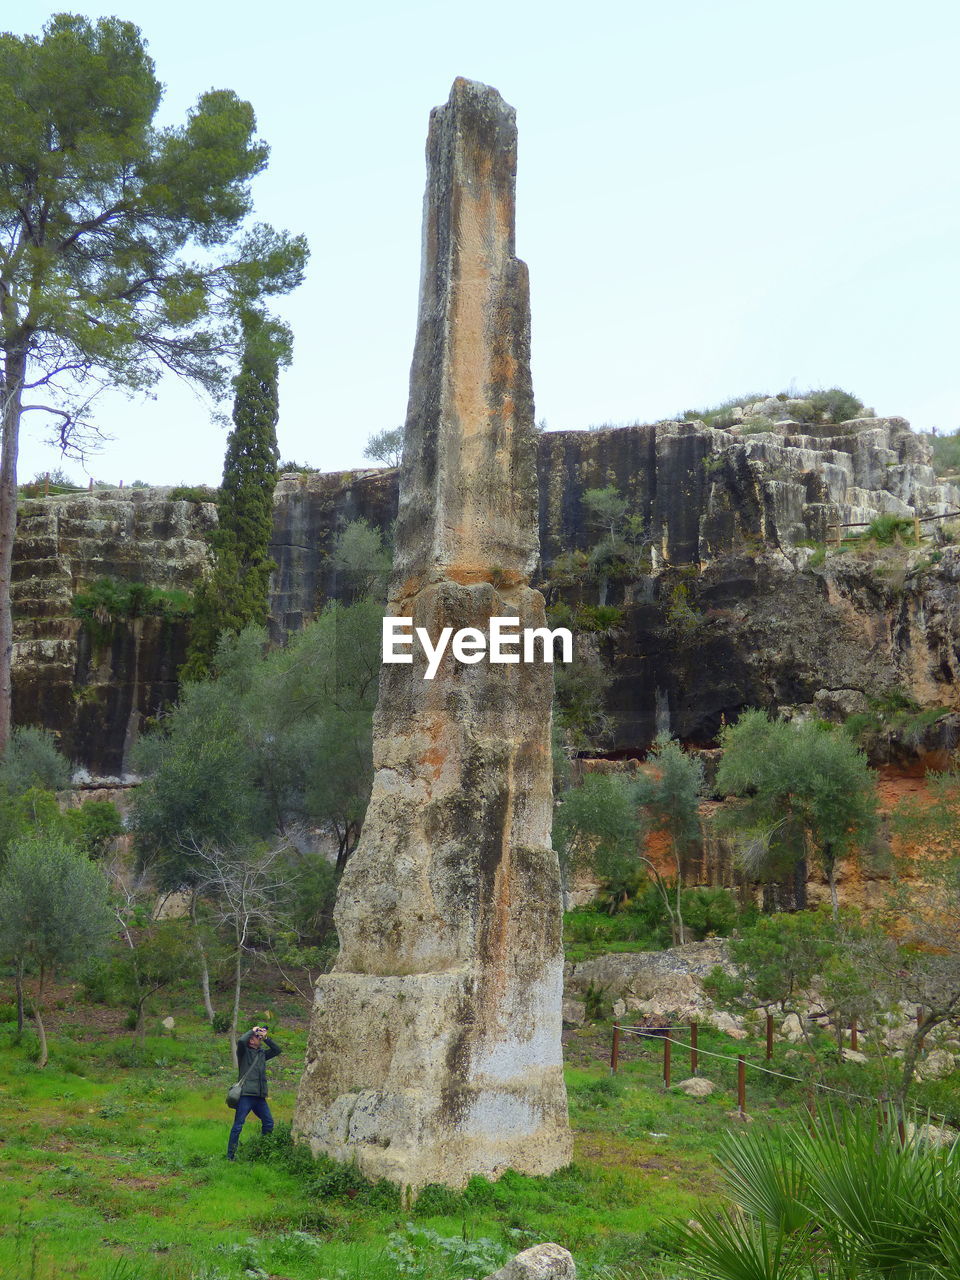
434, 1050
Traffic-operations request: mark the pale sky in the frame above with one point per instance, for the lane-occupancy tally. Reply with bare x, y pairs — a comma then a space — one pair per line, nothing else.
714, 198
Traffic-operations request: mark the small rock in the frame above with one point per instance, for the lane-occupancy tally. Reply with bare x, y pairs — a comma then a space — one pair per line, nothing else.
168, 1024
574, 1013
542, 1262
937, 1065
696, 1087
619, 1008
933, 1135
854, 1055
726, 1022
898, 1037
735, 1115
792, 1028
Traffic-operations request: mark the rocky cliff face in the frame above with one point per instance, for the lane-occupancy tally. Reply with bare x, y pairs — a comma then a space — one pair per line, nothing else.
726, 607
95, 687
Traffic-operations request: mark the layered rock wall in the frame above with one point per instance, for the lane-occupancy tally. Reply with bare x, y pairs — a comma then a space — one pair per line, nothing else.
95, 688
723, 612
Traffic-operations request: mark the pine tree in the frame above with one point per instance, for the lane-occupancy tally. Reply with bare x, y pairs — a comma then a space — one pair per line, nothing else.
236, 594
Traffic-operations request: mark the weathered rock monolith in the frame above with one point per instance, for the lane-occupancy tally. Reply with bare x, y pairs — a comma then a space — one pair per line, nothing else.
434, 1051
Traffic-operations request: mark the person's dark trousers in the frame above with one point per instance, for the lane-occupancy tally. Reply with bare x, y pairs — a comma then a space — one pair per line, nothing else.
249, 1102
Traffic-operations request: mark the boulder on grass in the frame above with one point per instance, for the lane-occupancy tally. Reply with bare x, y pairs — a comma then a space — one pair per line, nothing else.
697, 1087
937, 1065
542, 1262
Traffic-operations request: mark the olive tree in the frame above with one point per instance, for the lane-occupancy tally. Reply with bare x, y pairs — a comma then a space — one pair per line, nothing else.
54, 912
800, 787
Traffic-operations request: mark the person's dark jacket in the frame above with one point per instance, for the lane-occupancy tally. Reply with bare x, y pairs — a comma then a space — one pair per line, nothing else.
254, 1063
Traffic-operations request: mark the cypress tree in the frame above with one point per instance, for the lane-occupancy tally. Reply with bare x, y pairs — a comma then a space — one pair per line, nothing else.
236, 594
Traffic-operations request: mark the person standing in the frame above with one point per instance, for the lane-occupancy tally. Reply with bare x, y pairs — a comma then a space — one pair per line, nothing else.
254, 1051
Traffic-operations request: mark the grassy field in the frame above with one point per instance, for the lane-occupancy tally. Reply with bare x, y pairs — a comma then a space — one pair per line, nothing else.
112, 1165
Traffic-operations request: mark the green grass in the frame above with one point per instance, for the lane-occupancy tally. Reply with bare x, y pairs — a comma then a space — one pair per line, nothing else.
113, 1170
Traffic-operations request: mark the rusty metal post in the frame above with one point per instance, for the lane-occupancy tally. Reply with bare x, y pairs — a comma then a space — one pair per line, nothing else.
91, 484
919, 1024
838, 533
46, 485
694, 1056
741, 1086
853, 1034
615, 1050
901, 1132
666, 1062
769, 1036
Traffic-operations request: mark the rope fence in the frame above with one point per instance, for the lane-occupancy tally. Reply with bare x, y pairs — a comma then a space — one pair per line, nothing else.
742, 1063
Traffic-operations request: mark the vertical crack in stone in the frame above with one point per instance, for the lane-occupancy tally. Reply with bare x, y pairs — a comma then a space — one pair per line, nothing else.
449, 911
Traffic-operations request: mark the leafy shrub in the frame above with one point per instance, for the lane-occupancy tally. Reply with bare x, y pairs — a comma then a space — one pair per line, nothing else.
600, 1093
721, 415
887, 529
108, 601
709, 912
894, 714
414, 1250
129, 1054
596, 1003
597, 618
93, 826
946, 452
98, 982
221, 1023
33, 760
194, 493
323, 1177
835, 405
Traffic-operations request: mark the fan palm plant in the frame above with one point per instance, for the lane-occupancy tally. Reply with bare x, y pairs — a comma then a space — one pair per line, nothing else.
844, 1198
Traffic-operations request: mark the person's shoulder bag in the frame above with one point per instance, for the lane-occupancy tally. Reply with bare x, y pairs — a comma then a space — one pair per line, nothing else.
235, 1090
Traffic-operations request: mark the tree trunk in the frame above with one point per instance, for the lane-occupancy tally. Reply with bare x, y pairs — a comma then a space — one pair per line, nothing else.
204, 966
38, 1019
235, 1020
910, 1055
681, 934
14, 376
832, 881
141, 1031
19, 981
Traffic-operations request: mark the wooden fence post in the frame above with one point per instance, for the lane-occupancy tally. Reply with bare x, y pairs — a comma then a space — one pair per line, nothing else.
741, 1087
853, 1034
615, 1050
694, 1056
666, 1061
769, 1036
